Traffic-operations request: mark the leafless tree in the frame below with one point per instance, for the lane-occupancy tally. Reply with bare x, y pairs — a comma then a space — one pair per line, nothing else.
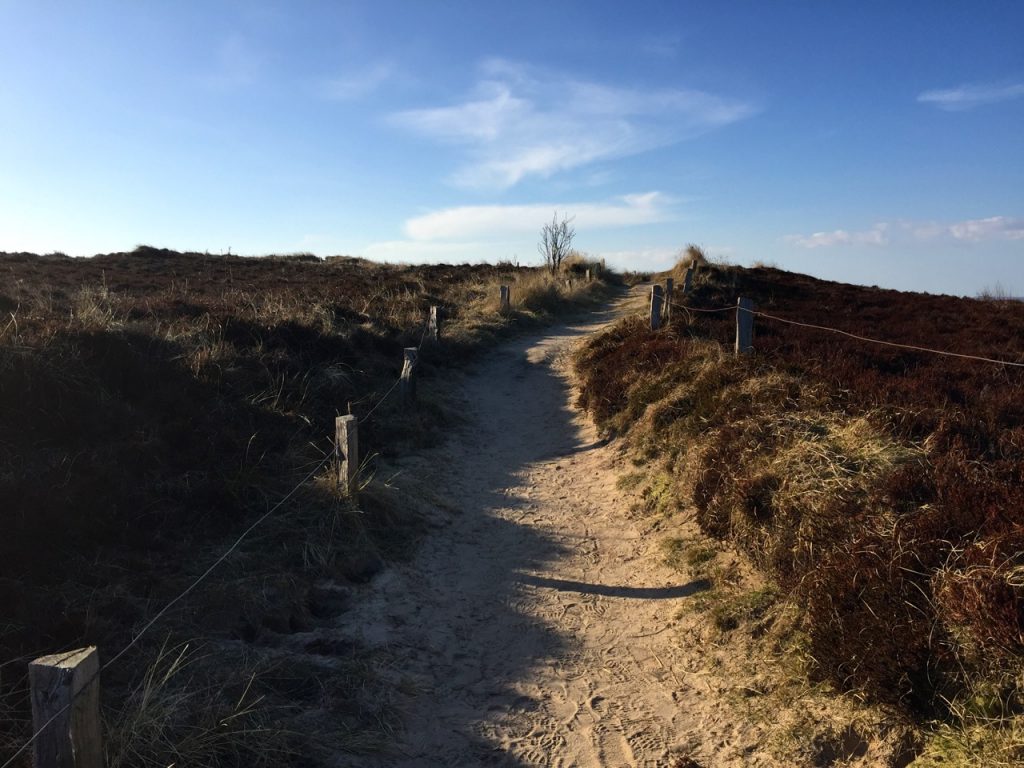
556, 241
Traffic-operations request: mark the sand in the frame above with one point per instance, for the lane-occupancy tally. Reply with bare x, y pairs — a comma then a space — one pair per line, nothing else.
537, 623
531, 628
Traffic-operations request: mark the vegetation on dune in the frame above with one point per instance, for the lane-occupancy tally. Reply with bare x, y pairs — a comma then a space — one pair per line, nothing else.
154, 404
880, 488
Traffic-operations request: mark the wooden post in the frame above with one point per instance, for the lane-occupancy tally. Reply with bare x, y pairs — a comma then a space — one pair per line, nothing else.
655, 307
688, 281
66, 688
669, 286
346, 438
506, 298
433, 324
589, 277
744, 326
408, 381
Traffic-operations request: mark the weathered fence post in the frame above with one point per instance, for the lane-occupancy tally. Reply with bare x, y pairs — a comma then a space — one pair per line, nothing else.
688, 281
408, 380
744, 326
346, 438
669, 286
506, 298
433, 324
66, 688
589, 277
655, 307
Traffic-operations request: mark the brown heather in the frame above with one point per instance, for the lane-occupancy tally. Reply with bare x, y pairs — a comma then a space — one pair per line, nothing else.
882, 489
152, 405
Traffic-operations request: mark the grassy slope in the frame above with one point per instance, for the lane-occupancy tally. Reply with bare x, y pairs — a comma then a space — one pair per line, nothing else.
879, 488
154, 404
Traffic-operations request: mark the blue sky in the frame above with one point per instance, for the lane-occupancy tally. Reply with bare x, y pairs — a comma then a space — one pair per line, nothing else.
874, 142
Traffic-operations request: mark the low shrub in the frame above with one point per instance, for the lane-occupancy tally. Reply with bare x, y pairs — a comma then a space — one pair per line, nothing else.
879, 487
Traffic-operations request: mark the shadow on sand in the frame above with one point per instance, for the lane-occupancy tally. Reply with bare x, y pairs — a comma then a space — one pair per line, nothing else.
637, 593
463, 629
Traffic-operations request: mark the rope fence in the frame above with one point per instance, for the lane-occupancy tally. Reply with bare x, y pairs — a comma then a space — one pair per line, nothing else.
745, 313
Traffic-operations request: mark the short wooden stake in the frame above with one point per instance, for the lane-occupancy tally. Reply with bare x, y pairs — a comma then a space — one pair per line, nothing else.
688, 281
433, 324
408, 381
655, 307
66, 687
506, 298
346, 438
669, 286
744, 326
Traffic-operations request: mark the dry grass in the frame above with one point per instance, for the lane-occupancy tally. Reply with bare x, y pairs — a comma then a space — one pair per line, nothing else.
165, 401
879, 489
174, 716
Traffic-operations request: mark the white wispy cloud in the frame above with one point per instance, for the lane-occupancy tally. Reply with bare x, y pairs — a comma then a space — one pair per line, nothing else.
490, 232
883, 233
992, 228
418, 251
519, 122
966, 97
491, 221
877, 235
355, 85
640, 259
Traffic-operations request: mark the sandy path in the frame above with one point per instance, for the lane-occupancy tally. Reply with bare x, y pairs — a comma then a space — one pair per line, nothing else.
529, 629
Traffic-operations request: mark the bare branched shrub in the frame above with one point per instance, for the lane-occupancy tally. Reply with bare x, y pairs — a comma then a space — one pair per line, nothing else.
997, 292
556, 241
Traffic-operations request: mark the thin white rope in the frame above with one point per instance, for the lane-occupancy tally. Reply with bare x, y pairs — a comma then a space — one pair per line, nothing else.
167, 607
885, 343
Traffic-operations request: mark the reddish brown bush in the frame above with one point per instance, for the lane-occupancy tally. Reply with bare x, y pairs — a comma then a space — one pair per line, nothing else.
932, 550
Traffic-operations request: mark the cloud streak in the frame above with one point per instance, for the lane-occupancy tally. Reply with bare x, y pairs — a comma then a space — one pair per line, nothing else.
877, 235
993, 228
967, 97
356, 85
482, 232
493, 221
519, 122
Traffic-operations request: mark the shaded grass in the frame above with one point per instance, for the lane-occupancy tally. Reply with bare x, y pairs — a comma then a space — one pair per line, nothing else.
155, 403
